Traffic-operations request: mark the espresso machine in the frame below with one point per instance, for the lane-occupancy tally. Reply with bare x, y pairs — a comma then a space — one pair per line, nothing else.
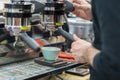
17, 23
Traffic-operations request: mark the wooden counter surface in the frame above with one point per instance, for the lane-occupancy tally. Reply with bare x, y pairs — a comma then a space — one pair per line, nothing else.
67, 76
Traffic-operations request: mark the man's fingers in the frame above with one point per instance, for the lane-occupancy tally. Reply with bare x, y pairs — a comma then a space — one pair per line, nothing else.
75, 37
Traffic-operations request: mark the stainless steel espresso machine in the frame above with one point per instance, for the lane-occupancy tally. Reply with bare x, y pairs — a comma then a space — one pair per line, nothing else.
17, 23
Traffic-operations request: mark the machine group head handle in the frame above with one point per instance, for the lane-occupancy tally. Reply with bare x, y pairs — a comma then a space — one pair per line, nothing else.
30, 42
65, 34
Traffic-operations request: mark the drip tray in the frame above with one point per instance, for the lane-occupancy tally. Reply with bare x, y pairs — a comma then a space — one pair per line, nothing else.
50, 63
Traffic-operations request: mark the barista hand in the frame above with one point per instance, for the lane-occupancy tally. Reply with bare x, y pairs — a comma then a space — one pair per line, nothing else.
79, 48
82, 9
83, 51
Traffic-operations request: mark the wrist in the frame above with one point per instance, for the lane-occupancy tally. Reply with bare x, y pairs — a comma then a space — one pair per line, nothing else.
92, 52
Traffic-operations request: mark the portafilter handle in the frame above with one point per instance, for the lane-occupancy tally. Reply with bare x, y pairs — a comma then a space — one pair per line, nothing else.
30, 42
69, 6
65, 34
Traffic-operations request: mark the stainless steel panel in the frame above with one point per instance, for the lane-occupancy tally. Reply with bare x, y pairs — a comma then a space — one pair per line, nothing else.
82, 28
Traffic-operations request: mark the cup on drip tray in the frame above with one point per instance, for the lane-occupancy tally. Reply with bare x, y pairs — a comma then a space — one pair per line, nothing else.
50, 53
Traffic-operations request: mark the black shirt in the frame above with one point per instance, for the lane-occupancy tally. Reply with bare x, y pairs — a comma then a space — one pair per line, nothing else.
106, 22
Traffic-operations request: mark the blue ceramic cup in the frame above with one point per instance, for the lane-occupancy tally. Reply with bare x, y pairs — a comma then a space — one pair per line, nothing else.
50, 53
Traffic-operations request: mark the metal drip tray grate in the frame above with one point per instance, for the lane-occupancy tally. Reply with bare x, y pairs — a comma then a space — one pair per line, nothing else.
22, 70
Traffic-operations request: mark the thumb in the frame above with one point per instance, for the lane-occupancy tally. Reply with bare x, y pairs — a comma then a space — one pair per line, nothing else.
75, 37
